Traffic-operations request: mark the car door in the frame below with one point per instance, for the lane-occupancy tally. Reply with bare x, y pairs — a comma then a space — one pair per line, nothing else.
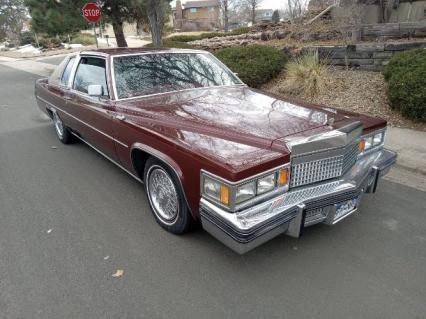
59, 86
92, 112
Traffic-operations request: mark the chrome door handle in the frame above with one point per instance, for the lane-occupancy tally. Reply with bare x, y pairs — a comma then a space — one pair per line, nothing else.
120, 117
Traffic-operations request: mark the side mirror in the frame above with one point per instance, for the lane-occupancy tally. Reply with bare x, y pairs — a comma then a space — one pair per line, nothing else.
95, 90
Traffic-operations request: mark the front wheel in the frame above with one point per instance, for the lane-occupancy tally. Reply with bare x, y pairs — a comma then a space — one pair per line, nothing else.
166, 197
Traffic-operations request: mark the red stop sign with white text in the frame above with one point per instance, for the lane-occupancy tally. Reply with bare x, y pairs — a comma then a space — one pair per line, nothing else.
91, 12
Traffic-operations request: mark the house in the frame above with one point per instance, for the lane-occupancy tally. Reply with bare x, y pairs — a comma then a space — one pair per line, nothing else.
373, 11
196, 15
264, 15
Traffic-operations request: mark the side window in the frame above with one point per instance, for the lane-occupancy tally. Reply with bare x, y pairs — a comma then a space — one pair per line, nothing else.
66, 75
90, 71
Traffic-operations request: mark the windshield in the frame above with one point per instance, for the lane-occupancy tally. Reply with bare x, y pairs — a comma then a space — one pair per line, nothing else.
145, 74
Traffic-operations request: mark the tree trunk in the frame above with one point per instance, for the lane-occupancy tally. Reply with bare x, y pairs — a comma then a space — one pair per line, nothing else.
155, 11
225, 16
253, 15
119, 34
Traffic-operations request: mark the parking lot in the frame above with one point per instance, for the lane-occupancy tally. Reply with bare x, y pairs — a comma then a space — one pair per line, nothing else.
69, 219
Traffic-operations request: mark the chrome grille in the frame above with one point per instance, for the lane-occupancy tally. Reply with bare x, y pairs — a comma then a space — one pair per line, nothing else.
323, 168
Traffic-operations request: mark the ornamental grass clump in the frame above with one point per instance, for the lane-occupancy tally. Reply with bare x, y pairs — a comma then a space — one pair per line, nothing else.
306, 76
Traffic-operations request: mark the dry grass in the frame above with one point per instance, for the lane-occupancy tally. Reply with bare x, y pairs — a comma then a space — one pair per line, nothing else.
352, 90
306, 76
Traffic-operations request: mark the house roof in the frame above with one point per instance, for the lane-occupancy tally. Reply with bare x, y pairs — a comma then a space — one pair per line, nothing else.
260, 11
201, 4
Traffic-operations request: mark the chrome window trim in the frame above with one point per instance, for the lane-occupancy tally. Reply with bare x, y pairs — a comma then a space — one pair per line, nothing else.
181, 51
67, 85
233, 207
84, 123
75, 67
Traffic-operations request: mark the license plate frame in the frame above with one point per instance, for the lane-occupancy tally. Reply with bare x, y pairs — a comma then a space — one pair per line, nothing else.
345, 208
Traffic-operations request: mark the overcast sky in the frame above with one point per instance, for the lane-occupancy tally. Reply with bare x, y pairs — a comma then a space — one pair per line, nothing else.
266, 4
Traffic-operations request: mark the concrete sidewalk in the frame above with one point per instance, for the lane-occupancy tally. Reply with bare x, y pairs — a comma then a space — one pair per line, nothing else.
410, 146
410, 168
31, 66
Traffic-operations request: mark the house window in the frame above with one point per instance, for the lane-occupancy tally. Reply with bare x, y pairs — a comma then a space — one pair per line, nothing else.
211, 8
193, 10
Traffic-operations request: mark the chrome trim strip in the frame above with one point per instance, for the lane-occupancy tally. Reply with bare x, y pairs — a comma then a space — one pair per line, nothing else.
174, 91
94, 53
326, 141
245, 180
107, 157
82, 122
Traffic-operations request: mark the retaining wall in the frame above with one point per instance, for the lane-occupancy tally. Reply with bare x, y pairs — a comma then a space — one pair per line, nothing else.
366, 56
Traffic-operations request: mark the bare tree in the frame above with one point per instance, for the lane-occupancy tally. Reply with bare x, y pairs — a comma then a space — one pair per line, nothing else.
225, 6
295, 9
156, 11
253, 5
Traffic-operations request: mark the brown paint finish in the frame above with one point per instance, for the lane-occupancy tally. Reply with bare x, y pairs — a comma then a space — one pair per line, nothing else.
234, 132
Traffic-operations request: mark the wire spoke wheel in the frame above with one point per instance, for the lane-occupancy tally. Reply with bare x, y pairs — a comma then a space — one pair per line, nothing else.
59, 126
163, 195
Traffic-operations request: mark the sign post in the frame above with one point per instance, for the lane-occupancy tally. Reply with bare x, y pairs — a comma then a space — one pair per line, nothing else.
92, 13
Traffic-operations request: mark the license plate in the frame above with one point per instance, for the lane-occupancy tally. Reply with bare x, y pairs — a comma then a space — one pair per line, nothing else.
345, 208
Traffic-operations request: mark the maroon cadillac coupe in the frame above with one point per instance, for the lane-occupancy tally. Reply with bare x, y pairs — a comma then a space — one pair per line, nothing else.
246, 164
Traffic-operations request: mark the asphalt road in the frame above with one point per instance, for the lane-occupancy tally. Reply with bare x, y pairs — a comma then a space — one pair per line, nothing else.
69, 219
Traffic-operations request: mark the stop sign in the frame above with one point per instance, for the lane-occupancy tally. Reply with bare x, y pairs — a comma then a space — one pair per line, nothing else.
91, 12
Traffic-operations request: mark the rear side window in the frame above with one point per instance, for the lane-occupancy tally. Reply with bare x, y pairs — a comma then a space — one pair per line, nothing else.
66, 75
90, 71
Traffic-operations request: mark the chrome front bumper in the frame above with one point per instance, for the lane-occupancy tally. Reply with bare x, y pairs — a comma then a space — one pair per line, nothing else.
291, 211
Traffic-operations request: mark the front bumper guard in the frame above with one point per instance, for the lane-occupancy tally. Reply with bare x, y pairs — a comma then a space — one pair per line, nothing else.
287, 213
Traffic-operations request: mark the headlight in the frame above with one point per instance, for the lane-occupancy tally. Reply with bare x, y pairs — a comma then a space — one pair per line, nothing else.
216, 190
245, 192
371, 141
266, 184
368, 142
233, 195
378, 138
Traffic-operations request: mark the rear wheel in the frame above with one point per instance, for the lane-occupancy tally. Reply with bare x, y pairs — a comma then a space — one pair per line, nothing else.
166, 197
63, 133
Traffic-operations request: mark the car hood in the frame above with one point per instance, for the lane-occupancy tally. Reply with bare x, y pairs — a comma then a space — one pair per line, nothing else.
237, 114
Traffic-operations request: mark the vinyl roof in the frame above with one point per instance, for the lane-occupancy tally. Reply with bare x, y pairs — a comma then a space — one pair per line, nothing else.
123, 51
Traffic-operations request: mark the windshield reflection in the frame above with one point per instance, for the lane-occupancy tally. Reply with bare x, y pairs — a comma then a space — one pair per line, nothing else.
139, 75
